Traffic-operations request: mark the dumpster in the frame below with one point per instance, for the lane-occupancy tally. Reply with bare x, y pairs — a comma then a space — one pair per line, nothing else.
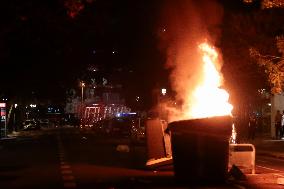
200, 149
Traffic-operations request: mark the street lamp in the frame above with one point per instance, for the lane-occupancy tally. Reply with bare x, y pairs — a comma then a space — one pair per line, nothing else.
82, 88
162, 100
82, 101
164, 91
14, 118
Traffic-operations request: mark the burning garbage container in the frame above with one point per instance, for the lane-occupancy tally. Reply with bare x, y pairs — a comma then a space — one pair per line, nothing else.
201, 149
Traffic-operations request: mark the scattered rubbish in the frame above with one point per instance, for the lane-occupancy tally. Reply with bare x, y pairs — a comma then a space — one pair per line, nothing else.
122, 148
280, 181
154, 163
140, 180
236, 174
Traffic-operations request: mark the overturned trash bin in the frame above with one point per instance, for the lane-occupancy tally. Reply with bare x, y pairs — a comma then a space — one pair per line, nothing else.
200, 149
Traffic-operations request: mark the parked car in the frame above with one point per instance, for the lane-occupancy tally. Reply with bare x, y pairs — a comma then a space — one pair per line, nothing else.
44, 122
138, 133
101, 127
31, 125
124, 127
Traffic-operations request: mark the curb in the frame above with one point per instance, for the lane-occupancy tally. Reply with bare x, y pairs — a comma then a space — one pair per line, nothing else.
271, 154
7, 138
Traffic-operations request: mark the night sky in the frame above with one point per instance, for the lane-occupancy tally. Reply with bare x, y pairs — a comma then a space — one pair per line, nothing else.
44, 49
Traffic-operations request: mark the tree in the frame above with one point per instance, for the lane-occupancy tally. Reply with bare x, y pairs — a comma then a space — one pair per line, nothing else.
273, 65
253, 59
74, 7
247, 32
242, 30
268, 4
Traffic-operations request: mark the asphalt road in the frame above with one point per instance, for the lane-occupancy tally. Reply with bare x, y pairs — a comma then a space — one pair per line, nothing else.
270, 165
269, 173
29, 162
70, 158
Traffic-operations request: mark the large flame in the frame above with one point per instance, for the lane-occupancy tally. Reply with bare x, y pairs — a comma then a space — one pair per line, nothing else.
210, 100
207, 99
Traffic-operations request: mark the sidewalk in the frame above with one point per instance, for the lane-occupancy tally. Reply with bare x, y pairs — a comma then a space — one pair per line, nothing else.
21, 134
12, 135
267, 146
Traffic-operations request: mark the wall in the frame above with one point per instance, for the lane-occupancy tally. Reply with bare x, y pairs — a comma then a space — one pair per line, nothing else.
277, 103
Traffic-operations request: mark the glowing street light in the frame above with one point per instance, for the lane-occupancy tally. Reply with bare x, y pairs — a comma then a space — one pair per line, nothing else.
164, 91
82, 88
31, 105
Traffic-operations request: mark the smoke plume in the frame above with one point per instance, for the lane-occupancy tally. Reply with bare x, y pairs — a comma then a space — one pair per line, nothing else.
186, 24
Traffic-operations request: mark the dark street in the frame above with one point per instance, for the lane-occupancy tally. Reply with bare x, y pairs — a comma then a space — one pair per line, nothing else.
72, 158
142, 94
67, 158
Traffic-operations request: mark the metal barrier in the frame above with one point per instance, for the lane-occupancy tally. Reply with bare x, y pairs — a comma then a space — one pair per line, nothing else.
242, 156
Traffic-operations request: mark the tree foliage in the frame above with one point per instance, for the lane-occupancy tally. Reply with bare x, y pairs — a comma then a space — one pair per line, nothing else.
255, 35
74, 7
267, 4
273, 65
241, 31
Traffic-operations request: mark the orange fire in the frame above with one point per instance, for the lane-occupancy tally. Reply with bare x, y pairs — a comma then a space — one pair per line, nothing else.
207, 99
210, 100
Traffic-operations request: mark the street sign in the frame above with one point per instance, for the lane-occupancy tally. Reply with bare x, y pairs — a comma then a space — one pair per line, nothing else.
3, 114
3, 126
